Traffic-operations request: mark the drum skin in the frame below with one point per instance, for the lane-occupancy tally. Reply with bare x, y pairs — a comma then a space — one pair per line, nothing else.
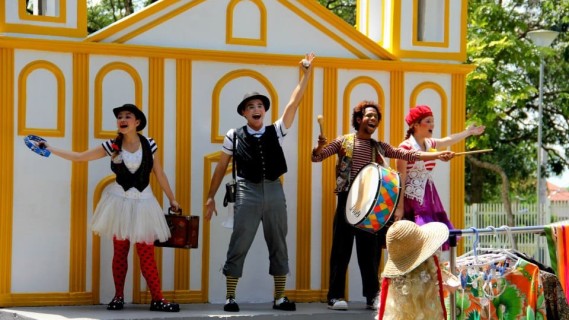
373, 197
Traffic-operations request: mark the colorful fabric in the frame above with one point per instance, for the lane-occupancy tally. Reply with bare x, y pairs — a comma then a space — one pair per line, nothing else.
555, 302
557, 239
516, 295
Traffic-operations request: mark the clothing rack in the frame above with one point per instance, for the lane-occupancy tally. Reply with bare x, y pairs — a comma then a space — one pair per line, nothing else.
485, 231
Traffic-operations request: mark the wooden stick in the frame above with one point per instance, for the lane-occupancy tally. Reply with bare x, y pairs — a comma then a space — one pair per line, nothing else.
320, 121
472, 152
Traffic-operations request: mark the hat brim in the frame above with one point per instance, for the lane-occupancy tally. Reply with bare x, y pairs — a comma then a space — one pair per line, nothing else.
137, 113
434, 235
265, 99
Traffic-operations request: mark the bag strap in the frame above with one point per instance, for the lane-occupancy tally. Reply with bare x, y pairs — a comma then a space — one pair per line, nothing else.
233, 157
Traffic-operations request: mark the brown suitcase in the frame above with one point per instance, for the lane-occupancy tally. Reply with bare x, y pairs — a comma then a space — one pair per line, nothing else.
184, 231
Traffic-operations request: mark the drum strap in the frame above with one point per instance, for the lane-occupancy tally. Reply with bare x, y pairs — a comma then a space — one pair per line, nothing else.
344, 166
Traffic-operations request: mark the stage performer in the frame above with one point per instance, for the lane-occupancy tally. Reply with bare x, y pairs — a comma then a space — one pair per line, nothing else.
421, 202
260, 161
355, 151
128, 212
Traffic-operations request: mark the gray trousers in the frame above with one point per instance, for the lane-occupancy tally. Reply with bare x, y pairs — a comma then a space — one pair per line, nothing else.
255, 203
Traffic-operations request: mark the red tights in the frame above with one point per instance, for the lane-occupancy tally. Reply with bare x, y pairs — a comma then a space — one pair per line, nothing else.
147, 266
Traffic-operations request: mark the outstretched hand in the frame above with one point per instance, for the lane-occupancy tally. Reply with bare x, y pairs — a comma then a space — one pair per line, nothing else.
475, 130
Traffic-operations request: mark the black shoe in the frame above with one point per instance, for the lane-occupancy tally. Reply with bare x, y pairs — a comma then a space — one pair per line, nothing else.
284, 304
231, 305
116, 304
371, 303
163, 305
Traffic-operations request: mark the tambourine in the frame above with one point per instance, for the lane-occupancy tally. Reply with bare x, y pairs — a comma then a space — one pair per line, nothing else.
32, 142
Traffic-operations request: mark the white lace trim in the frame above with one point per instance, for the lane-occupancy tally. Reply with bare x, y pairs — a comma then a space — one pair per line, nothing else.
418, 175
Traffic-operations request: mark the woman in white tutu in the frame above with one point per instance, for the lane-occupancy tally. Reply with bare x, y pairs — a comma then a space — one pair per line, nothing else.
128, 211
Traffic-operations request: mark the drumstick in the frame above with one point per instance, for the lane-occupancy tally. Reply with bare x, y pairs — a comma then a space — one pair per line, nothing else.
472, 152
320, 121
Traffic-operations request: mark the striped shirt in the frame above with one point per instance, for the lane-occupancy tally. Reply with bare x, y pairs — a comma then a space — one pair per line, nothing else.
362, 153
429, 164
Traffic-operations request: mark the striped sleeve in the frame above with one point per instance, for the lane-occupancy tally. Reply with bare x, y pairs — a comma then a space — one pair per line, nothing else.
331, 149
227, 147
153, 146
107, 145
399, 153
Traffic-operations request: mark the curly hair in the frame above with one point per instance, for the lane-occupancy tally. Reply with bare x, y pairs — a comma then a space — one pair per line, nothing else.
414, 295
358, 112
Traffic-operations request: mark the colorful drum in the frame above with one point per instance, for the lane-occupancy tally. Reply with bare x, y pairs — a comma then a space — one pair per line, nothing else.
373, 197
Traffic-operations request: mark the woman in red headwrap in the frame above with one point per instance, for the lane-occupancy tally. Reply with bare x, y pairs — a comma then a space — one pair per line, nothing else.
421, 202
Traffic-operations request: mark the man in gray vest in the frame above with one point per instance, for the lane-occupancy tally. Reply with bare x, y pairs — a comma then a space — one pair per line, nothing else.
260, 161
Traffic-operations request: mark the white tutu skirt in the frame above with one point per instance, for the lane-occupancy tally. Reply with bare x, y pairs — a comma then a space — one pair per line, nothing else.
132, 215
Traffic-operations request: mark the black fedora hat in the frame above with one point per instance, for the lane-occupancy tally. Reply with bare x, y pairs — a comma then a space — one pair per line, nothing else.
137, 113
250, 96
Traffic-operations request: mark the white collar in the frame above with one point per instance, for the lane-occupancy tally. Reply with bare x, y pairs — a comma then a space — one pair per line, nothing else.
254, 132
416, 145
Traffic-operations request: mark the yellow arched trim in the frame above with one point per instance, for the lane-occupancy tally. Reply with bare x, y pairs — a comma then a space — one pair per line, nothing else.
99, 132
96, 243
217, 137
444, 102
230, 39
446, 26
348, 108
60, 18
59, 131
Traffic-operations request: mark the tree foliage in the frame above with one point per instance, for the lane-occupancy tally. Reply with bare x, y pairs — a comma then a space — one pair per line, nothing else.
345, 9
503, 93
101, 13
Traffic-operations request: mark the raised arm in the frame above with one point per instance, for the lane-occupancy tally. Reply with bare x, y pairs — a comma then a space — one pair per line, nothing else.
472, 130
290, 109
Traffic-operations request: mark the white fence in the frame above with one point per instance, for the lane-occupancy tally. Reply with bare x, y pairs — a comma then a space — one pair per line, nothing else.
482, 215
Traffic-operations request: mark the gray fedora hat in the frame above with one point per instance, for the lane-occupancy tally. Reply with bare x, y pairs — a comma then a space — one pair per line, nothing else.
250, 96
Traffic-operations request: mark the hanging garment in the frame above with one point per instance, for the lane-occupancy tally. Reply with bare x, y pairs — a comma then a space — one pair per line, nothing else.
555, 302
557, 239
505, 289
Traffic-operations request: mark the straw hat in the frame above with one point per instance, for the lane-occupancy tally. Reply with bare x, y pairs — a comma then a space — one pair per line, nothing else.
409, 245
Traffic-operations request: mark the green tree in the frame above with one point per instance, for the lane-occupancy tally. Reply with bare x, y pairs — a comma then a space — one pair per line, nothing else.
345, 9
102, 13
503, 91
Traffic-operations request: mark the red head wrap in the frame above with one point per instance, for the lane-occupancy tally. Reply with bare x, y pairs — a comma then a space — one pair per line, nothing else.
418, 113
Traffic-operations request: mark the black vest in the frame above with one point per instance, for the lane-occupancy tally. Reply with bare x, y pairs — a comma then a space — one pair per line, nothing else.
259, 158
139, 179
